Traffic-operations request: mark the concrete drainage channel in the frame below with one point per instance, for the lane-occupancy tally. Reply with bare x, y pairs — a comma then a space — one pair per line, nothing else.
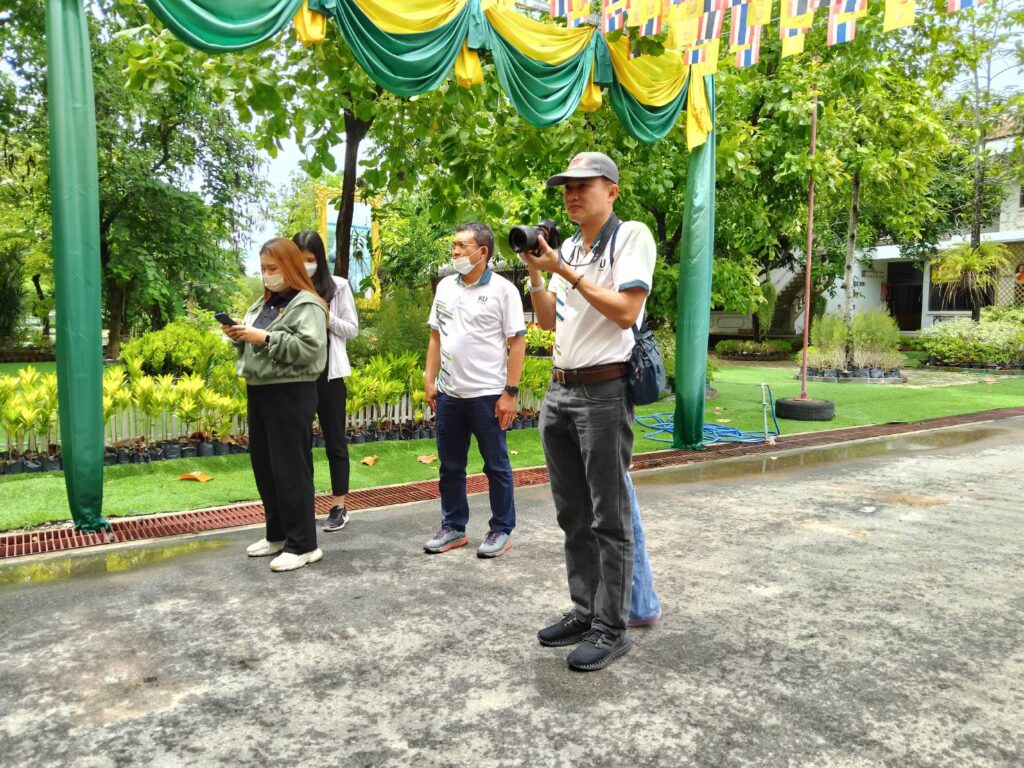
48, 540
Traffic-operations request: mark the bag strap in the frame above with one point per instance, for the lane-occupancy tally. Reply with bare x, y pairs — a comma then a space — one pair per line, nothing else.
642, 328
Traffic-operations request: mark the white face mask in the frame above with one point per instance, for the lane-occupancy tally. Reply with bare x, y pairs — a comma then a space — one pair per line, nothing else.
275, 283
463, 264
310, 268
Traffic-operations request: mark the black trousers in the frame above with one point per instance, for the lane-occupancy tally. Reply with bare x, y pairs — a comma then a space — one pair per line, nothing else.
330, 411
281, 451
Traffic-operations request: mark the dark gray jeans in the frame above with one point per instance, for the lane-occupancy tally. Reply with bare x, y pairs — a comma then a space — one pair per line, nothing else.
588, 443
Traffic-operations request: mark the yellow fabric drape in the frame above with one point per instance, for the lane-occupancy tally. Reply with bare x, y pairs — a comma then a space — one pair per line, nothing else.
698, 113
410, 16
654, 81
898, 13
592, 99
468, 70
540, 42
310, 26
710, 64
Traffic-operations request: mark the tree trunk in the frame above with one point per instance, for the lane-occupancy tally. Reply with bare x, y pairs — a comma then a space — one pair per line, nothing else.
851, 247
355, 132
46, 310
115, 313
979, 191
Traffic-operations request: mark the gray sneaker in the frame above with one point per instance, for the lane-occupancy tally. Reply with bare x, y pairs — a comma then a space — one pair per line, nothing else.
495, 544
336, 519
446, 538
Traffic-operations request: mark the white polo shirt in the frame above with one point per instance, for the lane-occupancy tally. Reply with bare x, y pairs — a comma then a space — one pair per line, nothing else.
583, 336
475, 322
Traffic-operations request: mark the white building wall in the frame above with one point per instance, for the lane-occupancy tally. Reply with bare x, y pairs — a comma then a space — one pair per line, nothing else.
867, 290
1011, 215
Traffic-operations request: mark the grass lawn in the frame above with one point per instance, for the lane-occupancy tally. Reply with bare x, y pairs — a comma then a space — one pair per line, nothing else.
11, 369
141, 489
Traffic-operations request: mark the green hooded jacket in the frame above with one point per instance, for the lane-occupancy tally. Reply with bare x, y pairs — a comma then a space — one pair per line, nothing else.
298, 344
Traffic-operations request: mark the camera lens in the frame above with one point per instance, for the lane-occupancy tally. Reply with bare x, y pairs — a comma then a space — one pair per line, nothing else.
522, 239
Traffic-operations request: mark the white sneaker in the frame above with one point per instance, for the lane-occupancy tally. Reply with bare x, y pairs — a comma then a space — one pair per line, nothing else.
262, 548
286, 561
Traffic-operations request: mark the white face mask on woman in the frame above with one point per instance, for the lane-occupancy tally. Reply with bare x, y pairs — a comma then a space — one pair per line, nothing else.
311, 268
275, 283
463, 264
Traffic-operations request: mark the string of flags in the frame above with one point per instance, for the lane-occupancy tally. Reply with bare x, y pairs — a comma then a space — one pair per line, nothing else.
694, 27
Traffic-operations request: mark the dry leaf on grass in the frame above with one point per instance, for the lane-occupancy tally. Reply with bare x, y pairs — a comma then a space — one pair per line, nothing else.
426, 459
513, 453
724, 421
199, 477
370, 460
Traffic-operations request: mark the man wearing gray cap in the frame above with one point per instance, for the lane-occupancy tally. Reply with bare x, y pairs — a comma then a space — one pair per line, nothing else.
598, 289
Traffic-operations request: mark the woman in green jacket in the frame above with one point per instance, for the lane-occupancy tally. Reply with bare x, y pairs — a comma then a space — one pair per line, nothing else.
282, 349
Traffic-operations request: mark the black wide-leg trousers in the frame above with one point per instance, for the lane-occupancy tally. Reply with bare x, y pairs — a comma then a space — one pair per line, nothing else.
280, 448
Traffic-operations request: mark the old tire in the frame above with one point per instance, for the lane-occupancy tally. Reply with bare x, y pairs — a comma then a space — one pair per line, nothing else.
805, 410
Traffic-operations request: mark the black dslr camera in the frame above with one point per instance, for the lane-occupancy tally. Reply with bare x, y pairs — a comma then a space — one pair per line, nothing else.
523, 239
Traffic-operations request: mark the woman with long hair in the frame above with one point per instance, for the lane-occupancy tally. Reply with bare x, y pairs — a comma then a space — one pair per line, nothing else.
282, 349
342, 324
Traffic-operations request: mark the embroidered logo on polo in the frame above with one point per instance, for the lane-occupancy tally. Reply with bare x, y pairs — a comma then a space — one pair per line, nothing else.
482, 299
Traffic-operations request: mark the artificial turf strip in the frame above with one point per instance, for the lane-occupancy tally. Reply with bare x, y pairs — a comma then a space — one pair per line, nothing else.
27, 500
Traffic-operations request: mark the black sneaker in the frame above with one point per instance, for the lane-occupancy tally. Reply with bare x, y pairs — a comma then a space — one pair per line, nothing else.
568, 630
336, 519
597, 651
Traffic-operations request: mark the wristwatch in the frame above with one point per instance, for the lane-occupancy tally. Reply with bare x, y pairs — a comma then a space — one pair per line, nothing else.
512, 390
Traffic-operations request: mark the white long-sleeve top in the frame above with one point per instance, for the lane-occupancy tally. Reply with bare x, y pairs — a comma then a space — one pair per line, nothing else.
343, 324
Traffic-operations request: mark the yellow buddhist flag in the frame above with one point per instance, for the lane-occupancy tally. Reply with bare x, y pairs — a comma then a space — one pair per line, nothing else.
682, 32
791, 46
760, 13
710, 64
898, 13
691, 9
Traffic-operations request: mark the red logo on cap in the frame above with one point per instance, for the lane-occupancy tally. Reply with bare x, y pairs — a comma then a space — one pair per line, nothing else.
579, 161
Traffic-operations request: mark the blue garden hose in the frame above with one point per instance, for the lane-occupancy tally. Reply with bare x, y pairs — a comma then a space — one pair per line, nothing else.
662, 424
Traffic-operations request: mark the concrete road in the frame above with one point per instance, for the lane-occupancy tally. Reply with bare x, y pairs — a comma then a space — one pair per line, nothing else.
860, 606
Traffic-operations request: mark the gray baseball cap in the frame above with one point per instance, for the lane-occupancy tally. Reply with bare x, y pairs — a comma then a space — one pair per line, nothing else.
587, 165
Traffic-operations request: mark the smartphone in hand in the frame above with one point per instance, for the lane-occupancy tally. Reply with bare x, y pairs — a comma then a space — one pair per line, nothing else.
224, 318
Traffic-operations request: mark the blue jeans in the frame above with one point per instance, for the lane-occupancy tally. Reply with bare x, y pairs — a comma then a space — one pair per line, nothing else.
644, 603
457, 419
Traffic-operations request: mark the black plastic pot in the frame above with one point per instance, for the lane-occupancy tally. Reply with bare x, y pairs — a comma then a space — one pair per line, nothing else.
156, 453
109, 458
172, 450
33, 465
219, 448
204, 449
831, 373
517, 423
188, 451
51, 463
357, 439
860, 373
15, 467
134, 457
877, 373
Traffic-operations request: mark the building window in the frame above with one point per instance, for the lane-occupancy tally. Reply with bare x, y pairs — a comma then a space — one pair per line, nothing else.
959, 302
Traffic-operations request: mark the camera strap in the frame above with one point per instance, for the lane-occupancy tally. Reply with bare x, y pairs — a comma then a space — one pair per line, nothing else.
601, 242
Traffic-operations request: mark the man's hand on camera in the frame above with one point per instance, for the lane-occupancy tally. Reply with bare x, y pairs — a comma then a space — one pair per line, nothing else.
544, 258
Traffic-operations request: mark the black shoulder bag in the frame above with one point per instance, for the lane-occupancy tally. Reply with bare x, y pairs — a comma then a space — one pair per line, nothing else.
645, 377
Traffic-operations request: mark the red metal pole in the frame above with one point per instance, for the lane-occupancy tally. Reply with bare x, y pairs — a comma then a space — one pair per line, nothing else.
810, 237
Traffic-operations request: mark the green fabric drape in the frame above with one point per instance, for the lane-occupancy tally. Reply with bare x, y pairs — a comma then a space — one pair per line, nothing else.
693, 301
218, 26
648, 124
74, 191
543, 94
407, 65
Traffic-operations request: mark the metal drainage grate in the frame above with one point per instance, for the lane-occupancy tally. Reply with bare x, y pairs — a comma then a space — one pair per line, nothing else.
154, 526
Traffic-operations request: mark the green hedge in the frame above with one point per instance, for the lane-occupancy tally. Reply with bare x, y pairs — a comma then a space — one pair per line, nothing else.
965, 342
770, 348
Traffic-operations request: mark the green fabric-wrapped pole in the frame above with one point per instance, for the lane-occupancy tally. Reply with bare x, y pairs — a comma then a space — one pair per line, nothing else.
74, 191
693, 307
